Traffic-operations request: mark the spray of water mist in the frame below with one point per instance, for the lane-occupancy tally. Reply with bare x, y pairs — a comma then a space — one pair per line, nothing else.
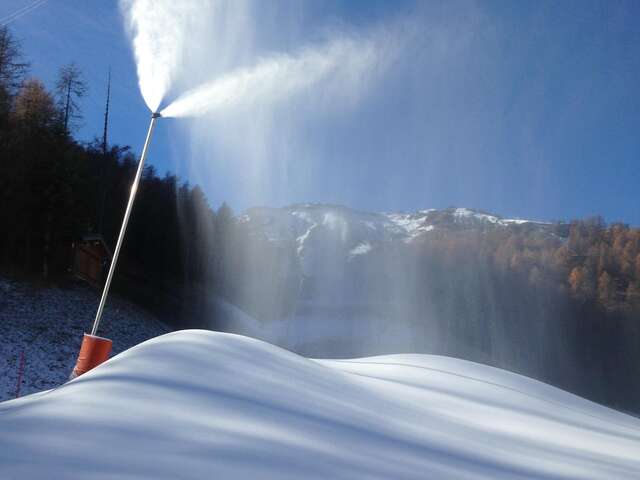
158, 30
171, 41
342, 61
329, 74
158, 40
237, 58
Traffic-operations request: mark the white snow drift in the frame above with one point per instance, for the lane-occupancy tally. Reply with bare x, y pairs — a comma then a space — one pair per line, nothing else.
197, 404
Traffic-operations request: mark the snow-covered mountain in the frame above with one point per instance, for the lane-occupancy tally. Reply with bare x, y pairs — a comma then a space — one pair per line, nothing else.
307, 225
341, 295
197, 404
320, 233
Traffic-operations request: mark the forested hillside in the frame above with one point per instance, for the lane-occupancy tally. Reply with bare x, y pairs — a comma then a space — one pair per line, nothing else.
54, 189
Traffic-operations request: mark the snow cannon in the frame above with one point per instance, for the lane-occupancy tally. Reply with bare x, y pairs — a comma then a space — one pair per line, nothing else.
95, 350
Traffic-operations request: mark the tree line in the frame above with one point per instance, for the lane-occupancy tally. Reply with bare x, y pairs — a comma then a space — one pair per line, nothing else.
54, 189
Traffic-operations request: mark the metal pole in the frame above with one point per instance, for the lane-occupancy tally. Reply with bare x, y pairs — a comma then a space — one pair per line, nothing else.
123, 228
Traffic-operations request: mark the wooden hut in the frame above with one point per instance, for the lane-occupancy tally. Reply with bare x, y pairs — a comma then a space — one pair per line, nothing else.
91, 257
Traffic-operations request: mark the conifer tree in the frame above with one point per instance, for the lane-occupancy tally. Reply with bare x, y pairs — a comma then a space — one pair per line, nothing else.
70, 88
605, 290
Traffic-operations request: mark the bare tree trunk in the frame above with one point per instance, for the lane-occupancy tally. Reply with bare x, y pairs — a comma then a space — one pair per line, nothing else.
66, 108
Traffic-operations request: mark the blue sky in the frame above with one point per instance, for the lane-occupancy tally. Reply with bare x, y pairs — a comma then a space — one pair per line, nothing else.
527, 109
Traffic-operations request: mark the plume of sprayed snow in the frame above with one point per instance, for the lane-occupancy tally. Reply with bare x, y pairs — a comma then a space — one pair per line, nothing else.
172, 44
340, 65
159, 30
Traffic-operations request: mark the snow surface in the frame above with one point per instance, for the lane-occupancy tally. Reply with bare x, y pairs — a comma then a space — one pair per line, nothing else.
360, 249
198, 404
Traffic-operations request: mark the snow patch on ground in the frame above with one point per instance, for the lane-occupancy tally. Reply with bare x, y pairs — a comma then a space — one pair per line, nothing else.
408, 222
47, 324
360, 249
197, 404
465, 213
303, 238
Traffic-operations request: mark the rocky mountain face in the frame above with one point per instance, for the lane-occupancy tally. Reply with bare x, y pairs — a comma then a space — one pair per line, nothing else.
328, 280
361, 231
329, 248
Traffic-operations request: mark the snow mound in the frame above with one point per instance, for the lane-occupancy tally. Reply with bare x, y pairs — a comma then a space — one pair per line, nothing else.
198, 404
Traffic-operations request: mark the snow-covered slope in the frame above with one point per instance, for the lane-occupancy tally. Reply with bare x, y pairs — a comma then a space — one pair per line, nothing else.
45, 324
197, 404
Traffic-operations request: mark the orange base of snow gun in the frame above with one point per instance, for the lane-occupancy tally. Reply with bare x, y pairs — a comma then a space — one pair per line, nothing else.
93, 352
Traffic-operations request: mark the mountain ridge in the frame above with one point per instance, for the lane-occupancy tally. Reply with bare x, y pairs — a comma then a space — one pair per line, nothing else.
363, 230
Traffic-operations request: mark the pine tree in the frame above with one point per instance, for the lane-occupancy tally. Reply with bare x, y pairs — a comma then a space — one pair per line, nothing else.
606, 291
632, 296
12, 66
34, 108
576, 280
70, 88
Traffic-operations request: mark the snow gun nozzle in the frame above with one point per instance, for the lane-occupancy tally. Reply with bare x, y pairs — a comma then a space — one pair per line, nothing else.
155, 115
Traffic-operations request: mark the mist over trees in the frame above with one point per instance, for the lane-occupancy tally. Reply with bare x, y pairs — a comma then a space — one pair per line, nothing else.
564, 308
559, 304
